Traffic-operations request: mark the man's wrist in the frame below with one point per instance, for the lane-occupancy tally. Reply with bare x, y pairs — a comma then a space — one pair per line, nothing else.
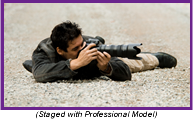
74, 64
107, 70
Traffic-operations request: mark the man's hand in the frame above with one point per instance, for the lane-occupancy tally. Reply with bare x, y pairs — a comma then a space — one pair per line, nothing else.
85, 57
103, 60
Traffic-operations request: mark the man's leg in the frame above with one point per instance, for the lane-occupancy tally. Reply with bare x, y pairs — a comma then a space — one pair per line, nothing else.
150, 61
147, 62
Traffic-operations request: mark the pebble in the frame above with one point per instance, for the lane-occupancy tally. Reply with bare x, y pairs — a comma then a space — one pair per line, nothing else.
156, 80
141, 84
182, 79
172, 79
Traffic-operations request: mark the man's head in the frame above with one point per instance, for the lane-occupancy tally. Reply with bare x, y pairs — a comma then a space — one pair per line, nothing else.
67, 39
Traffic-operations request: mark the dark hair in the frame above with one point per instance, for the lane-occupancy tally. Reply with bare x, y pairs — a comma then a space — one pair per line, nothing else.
63, 33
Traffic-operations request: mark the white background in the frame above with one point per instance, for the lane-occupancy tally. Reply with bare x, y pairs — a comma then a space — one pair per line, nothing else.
31, 114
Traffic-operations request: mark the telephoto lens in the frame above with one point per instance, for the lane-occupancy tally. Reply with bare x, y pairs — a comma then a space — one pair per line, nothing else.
126, 51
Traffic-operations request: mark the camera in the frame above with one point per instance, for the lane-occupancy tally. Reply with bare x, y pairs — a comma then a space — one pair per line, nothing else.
125, 51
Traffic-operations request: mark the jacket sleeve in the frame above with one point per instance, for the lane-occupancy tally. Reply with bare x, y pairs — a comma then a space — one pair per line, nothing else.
46, 71
120, 70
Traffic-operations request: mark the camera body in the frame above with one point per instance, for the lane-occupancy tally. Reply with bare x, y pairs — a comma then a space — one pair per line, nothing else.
125, 51
95, 41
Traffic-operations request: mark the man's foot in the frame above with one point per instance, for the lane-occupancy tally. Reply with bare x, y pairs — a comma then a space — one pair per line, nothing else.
165, 60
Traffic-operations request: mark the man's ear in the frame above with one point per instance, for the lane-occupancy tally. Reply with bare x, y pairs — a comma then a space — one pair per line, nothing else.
59, 51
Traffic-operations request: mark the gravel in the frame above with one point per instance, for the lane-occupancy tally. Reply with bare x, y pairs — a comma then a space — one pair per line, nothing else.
160, 27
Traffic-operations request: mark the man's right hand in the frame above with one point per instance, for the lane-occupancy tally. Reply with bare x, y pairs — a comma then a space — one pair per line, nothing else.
85, 57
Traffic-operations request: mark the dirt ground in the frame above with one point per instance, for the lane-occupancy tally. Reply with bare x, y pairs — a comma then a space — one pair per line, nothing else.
160, 27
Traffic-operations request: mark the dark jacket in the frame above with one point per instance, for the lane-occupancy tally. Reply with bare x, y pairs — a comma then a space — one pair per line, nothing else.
48, 65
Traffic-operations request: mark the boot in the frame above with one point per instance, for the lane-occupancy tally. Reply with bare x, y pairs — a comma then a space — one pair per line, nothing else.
165, 60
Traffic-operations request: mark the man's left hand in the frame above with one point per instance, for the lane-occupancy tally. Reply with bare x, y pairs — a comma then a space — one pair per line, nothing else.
103, 60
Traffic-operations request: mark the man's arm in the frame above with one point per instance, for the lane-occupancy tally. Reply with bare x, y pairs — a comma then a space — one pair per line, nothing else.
120, 70
45, 71
113, 67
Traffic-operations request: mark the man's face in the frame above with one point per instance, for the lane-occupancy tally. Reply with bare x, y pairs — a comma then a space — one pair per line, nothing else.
74, 47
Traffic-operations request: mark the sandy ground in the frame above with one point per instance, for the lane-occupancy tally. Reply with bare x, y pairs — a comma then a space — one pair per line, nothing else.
160, 27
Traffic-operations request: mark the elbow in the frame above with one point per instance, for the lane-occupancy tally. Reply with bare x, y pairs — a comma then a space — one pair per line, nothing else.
40, 80
40, 77
124, 77
127, 75
44, 79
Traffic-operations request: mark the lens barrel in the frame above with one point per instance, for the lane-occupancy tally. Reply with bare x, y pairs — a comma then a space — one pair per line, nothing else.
128, 51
